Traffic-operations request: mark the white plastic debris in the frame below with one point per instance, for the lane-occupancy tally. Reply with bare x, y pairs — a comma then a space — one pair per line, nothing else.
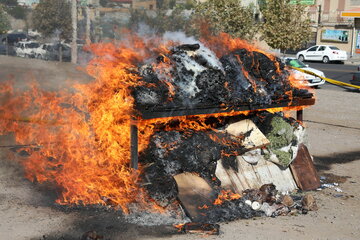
256, 206
248, 202
267, 209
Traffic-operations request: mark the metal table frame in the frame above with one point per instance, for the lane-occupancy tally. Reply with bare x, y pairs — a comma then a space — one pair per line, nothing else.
148, 114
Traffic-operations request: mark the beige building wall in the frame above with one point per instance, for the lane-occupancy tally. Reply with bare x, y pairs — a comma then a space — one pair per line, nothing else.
144, 4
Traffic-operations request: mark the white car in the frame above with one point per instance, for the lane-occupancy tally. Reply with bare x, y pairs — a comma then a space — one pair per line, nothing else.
26, 49
311, 80
41, 51
324, 53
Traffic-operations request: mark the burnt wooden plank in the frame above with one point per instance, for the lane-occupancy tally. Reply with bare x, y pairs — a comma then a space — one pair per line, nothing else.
199, 228
304, 171
255, 175
194, 193
176, 111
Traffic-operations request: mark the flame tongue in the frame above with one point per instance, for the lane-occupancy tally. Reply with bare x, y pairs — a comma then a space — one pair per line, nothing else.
226, 195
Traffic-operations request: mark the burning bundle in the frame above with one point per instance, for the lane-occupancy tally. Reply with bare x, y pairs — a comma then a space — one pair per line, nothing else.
191, 76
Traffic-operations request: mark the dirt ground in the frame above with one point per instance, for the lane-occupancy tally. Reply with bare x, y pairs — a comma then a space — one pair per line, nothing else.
27, 211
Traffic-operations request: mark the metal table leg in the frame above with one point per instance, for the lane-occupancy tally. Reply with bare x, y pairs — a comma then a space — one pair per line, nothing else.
299, 115
134, 146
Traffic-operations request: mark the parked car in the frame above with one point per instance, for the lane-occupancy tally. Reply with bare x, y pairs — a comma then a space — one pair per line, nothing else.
53, 52
311, 80
324, 53
41, 51
26, 49
13, 38
2, 49
7, 50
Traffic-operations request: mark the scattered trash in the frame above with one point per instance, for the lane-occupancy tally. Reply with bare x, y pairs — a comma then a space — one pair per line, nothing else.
288, 201
199, 228
255, 206
309, 203
330, 185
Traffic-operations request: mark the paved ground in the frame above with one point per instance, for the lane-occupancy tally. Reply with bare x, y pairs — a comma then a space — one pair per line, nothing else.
27, 210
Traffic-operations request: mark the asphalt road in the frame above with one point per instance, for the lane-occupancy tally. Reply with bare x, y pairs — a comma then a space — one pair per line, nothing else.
336, 71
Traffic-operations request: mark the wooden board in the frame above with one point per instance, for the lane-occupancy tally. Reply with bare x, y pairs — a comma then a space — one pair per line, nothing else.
194, 192
254, 176
256, 139
304, 171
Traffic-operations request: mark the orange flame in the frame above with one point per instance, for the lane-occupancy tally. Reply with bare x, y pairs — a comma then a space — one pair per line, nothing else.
204, 207
226, 195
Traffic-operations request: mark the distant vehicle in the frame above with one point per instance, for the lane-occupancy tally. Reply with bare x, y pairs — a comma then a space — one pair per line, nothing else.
7, 50
2, 49
53, 52
26, 49
13, 38
312, 81
40, 52
324, 53
33, 33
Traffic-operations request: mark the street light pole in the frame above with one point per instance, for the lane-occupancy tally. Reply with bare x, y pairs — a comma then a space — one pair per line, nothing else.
88, 24
74, 33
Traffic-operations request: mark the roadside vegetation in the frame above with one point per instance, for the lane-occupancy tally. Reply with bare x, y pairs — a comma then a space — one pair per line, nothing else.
283, 25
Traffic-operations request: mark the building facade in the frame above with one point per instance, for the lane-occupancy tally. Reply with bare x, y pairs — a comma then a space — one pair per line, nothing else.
144, 4
330, 28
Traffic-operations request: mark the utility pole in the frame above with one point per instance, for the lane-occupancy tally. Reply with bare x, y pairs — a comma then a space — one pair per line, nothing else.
319, 16
88, 23
74, 33
318, 24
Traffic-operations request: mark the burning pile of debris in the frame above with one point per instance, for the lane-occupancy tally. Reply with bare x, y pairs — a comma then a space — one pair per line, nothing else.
225, 172
207, 132
239, 170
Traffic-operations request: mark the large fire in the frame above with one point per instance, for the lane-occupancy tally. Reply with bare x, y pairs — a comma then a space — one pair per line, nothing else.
80, 137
